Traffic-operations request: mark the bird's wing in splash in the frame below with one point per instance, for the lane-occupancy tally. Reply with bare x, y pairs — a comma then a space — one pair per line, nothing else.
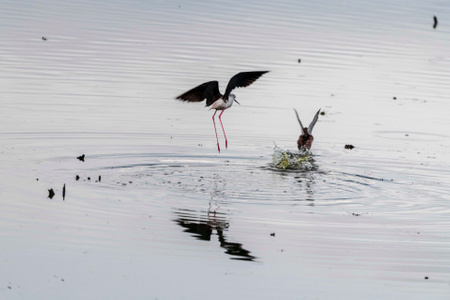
314, 121
298, 119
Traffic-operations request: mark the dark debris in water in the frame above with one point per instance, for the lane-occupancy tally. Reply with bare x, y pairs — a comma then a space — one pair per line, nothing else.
349, 147
77, 178
272, 234
51, 193
435, 22
64, 192
81, 157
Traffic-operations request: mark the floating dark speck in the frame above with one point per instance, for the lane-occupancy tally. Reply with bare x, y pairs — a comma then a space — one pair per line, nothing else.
299, 60
435, 22
51, 193
44, 38
322, 113
426, 277
272, 234
395, 98
99, 178
81, 157
64, 192
349, 147
77, 178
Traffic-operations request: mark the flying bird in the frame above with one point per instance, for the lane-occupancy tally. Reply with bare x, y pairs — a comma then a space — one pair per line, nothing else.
305, 140
210, 91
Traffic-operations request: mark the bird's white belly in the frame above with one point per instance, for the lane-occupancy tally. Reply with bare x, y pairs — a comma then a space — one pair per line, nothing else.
219, 105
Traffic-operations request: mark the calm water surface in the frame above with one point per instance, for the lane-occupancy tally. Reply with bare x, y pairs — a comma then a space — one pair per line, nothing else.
158, 213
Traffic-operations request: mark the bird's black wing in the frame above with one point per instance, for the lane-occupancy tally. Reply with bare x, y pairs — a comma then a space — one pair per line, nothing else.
208, 90
242, 79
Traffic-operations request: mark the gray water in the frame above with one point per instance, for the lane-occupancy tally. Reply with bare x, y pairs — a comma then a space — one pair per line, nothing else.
170, 217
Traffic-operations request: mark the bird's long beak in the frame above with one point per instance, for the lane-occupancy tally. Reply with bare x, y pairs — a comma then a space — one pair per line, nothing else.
236, 101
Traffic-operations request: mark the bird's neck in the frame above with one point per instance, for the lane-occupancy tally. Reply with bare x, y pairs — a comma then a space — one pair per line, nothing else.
230, 100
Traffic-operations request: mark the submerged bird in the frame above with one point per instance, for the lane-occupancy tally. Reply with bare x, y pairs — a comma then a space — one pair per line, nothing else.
210, 91
305, 140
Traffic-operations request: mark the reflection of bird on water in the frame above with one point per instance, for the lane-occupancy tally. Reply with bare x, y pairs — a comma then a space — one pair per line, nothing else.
217, 192
306, 139
203, 230
210, 92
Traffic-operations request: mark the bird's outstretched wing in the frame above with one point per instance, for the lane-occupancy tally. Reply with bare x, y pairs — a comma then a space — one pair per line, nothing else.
208, 90
313, 122
242, 79
298, 119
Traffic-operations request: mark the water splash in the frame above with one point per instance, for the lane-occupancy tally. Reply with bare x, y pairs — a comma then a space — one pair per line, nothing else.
291, 160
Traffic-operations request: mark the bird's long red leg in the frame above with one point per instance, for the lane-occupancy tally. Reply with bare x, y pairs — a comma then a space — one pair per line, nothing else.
215, 130
223, 129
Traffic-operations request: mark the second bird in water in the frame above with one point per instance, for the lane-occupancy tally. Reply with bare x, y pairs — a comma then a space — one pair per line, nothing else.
306, 139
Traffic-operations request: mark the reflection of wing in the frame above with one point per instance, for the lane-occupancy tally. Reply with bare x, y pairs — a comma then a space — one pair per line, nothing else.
208, 90
298, 119
202, 229
314, 121
242, 79
234, 249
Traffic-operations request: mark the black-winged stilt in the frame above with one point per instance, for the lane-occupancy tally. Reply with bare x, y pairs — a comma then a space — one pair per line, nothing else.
210, 91
305, 139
